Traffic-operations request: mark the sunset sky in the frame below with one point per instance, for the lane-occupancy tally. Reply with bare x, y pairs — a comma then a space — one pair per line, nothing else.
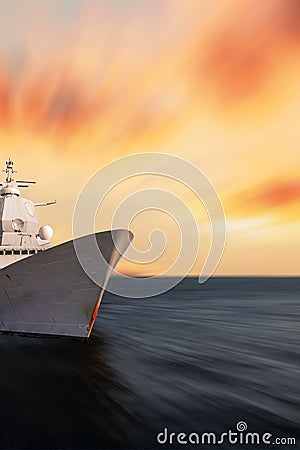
215, 82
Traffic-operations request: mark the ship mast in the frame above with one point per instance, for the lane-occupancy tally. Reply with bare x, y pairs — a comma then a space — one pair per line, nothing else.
10, 186
9, 170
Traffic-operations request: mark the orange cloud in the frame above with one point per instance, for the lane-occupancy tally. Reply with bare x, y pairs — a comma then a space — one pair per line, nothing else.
278, 194
146, 86
246, 48
6, 100
282, 194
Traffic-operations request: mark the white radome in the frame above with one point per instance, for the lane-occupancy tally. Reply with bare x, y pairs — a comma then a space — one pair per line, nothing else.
46, 232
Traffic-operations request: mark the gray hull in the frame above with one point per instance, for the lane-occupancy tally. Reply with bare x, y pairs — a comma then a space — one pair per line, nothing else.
50, 293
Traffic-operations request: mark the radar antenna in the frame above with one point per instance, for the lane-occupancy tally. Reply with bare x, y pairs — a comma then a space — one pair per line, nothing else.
9, 170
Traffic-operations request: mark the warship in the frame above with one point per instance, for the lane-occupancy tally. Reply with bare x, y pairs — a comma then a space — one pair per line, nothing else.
44, 289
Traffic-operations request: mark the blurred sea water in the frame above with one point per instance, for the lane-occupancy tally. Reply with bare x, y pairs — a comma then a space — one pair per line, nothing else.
199, 358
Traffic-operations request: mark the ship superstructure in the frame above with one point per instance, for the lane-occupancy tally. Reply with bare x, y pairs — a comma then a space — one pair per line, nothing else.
20, 234
49, 293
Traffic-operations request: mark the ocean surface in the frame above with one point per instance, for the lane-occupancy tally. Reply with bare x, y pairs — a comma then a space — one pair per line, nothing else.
195, 359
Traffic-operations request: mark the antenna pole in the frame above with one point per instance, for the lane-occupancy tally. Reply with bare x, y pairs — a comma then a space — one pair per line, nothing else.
9, 170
